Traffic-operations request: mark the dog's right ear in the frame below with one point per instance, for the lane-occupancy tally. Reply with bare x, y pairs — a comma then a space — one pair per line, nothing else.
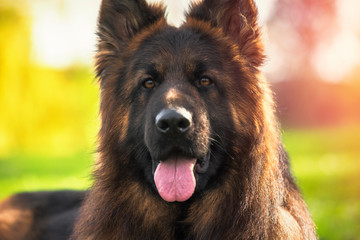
238, 20
119, 21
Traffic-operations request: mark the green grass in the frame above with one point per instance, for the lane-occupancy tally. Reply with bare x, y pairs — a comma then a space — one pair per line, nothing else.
31, 173
325, 162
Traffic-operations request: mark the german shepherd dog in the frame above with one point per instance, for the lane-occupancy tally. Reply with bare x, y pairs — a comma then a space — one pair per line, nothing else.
189, 147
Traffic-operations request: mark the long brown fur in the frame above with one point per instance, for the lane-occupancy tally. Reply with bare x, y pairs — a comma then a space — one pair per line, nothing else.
254, 197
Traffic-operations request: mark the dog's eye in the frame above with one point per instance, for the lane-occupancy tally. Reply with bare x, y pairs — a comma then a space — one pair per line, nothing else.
149, 83
205, 82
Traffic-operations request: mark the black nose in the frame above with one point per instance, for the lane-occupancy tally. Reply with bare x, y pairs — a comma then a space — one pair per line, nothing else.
173, 121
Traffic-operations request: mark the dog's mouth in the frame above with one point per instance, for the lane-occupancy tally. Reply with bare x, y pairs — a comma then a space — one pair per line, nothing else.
175, 178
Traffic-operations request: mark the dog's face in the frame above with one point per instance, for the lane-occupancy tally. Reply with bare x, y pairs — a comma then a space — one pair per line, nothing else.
177, 85
180, 110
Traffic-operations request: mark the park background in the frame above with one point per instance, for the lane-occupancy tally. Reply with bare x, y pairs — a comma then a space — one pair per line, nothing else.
49, 98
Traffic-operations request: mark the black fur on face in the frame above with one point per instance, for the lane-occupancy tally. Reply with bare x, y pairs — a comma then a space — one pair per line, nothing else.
178, 70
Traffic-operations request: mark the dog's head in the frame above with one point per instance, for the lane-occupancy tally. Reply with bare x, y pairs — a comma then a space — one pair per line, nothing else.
177, 97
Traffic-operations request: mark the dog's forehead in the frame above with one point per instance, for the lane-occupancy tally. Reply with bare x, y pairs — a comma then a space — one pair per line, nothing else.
175, 47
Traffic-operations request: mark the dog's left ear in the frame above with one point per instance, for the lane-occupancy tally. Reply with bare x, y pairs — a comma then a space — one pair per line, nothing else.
119, 21
124, 18
238, 20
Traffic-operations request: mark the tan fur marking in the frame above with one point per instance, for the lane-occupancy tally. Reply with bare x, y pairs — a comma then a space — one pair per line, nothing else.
14, 223
171, 95
289, 225
124, 123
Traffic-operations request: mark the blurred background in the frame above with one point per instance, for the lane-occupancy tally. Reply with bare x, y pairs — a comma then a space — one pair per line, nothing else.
49, 98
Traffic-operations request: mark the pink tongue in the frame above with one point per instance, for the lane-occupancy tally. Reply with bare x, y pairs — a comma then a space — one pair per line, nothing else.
175, 180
